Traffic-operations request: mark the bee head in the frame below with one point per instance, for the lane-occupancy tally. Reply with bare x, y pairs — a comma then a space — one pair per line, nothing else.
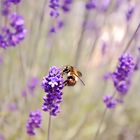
67, 69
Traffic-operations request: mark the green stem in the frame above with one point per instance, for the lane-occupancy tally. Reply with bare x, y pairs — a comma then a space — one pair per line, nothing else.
49, 127
131, 39
101, 122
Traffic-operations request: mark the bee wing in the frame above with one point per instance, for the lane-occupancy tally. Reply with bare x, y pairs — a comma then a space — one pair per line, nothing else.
80, 79
79, 73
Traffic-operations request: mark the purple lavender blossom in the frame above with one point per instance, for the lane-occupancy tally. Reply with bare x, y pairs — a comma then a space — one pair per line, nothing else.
121, 77
60, 24
2, 42
6, 7
123, 86
17, 22
54, 29
110, 102
15, 1
90, 5
32, 84
33, 122
55, 11
54, 5
66, 5
15, 33
5, 34
53, 85
130, 13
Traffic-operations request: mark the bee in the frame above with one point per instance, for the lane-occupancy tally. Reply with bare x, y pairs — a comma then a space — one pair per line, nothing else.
72, 75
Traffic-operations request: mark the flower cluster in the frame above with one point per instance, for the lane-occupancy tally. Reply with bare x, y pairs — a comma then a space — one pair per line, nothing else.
122, 75
129, 13
54, 5
90, 5
15, 1
58, 25
122, 79
56, 8
66, 5
6, 6
109, 101
53, 84
33, 122
32, 84
13, 33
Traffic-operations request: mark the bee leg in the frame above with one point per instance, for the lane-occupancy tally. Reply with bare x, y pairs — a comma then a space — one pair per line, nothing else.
66, 82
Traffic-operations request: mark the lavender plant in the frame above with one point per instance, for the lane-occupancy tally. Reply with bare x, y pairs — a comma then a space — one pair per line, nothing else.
53, 85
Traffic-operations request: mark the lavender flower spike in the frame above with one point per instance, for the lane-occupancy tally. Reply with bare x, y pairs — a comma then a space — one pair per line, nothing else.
53, 84
17, 22
33, 122
122, 75
15, 33
54, 5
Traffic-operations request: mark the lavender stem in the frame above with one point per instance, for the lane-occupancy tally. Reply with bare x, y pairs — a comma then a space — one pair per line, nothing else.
39, 30
49, 127
130, 41
101, 122
79, 45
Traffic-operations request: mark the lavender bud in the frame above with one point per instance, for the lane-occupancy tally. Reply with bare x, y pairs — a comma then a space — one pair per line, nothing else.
110, 102
90, 5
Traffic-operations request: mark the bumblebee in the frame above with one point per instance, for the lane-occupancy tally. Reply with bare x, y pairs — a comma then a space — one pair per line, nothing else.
72, 75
